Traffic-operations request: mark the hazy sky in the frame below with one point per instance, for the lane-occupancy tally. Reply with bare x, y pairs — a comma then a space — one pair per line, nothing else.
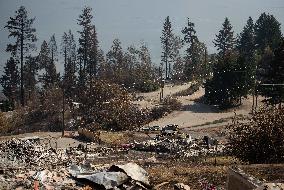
133, 21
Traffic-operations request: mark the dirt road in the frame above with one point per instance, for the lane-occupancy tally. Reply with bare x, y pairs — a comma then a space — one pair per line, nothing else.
194, 114
153, 98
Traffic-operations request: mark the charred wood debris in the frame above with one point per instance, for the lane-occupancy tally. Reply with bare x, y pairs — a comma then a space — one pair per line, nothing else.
28, 163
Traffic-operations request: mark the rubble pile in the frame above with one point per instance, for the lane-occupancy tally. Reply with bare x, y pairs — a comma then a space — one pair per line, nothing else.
26, 151
30, 164
180, 146
31, 153
126, 176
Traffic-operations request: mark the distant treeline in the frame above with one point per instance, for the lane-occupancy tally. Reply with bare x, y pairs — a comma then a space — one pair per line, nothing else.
250, 62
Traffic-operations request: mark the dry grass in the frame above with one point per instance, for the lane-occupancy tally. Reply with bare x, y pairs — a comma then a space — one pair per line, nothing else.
187, 174
267, 172
118, 138
190, 172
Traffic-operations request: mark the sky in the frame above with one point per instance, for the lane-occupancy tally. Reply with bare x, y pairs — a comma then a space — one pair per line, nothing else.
135, 21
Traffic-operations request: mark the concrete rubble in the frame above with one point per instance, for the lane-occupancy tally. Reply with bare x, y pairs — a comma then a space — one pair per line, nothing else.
28, 164
181, 186
181, 145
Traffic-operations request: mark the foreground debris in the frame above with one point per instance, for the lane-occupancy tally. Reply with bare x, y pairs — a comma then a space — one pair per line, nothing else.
28, 163
32, 162
38, 163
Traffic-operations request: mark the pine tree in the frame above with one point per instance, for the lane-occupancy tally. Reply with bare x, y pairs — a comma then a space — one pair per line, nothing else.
20, 27
274, 92
247, 57
52, 48
50, 76
144, 76
189, 37
93, 63
10, 80
268, 32
177, 45
68, 50
223, 88
85, 44
103, 67
115, 61
195, 53
246, 42
44, 55
225, 41
264, 64
30, 74
167, 46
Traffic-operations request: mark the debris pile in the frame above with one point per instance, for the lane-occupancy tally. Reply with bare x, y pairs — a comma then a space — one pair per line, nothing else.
30, 164
127, 176
180, 146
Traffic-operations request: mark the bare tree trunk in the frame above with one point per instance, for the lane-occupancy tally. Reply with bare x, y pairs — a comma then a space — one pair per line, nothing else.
166, 68
169, 69
22, 68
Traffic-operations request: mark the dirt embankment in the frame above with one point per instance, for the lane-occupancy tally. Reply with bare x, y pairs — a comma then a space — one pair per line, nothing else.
194, 115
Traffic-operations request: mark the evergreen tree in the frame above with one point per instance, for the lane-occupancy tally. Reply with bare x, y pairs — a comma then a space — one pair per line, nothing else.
43, 57
177, 45
93, 64
167, 46
82, 76
50, 77
274, 92
195, 53
30, 74
68, 50
85, 42
203, 67
268, 32
52, 48
246, 42
115, 60
264, 64
10, 80
247, 57
178, 68
20, 27
189, 37
224, 88
225, 41
144, 74
103, 67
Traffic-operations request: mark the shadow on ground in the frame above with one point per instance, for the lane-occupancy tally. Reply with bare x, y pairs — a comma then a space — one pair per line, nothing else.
199, 108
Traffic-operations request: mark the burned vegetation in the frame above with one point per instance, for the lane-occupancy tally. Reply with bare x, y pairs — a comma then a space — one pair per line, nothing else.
106, 121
